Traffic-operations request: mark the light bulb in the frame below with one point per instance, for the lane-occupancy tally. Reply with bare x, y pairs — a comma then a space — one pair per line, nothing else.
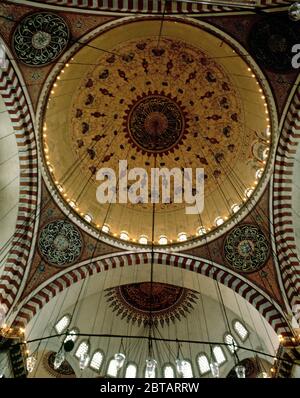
120, 359
83, 361
30, 363
294, 12
150, 368
215, 370
240, 371
59, 358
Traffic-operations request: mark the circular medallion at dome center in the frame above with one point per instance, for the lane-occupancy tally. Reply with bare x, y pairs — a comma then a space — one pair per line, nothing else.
155, 123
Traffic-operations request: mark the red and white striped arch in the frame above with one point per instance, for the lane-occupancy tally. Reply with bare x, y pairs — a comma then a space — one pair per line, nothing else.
283, 224
149, 6
22, 241
264, 304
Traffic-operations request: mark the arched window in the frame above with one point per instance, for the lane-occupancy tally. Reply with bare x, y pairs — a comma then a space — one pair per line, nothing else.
82, 349
249, 192
124, 235
182, 236
235, 208
72, 335
228, 339
219, 221
219, 355
201, 230
240, 330
203, 364
131, 371
169, 372
105, 228
163, 240
259, 173
62, 324
187, 371
96, 360
88, 218
112, 369
265, 153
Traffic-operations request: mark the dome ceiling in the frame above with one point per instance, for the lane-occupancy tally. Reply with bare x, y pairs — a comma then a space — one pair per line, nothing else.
185, 100
144, 302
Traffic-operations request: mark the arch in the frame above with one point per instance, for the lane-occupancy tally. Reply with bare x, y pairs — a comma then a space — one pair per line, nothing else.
284, 233
22, 241
260, 300
150, 7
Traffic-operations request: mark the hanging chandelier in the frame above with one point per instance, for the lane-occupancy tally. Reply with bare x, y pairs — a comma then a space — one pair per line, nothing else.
83, 360
30, 363
120, 359
151, 365
59, 358
215, 369
240, 371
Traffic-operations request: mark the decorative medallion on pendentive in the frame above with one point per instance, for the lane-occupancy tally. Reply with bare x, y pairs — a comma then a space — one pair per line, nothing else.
163, 303
271, 41
60, 243
246, 248
40, 38
155, 123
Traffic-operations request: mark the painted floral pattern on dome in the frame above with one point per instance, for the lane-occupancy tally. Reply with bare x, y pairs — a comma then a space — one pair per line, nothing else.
203, 98
166, 303
114, 112
246, 248
155, 123
40, 38
60, 243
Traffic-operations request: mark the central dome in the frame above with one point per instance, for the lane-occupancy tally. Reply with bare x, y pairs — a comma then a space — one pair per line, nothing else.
185, 103
155, 123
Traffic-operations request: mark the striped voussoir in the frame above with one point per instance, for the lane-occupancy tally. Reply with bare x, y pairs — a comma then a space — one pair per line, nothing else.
17, 259
284, 232
153, 6
290, 355
259, 301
